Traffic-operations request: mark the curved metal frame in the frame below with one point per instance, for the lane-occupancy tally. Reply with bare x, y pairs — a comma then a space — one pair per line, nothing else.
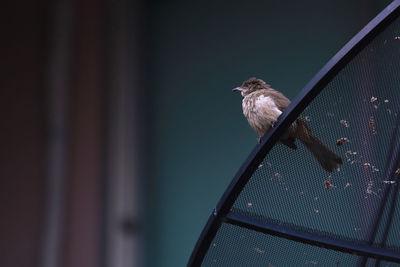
222, 211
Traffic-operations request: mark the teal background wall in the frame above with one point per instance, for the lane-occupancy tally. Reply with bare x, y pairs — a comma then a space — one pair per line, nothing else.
197, 135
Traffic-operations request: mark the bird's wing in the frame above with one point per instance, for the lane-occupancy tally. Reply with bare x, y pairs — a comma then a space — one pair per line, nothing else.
281, 101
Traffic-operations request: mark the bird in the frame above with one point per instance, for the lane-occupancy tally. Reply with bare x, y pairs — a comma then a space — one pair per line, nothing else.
262, 107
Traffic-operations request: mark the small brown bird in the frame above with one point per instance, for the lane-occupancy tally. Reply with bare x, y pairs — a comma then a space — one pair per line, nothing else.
262, 107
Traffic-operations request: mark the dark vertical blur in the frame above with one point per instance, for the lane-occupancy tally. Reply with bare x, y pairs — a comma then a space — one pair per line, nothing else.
69, 183
82, 223
118, 126
23, 130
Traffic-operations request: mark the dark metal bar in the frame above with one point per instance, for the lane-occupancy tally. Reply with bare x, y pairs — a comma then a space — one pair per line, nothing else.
396, 143
390, 217
392, 162
307, 94
389, 221
311, 238
206, 237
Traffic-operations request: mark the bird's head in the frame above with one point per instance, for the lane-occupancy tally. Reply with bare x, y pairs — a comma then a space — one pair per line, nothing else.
251, 85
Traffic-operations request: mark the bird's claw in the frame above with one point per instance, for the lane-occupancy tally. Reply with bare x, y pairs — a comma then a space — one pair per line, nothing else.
259, 140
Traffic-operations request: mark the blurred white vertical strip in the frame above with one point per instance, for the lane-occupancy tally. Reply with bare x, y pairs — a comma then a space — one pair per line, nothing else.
122, 236
57, 93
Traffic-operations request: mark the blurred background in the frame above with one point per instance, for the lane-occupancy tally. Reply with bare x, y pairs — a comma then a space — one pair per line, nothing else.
119, 130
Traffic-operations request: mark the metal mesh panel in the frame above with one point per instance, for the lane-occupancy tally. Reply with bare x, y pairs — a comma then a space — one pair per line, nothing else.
236, 246
361, 104
290, 206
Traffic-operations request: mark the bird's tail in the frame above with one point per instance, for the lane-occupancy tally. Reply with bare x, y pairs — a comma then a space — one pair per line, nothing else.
328, 159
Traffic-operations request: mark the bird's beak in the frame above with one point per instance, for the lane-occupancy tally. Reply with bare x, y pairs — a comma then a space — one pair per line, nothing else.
237, 89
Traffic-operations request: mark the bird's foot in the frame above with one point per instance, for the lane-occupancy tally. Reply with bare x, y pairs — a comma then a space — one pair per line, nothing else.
259, 140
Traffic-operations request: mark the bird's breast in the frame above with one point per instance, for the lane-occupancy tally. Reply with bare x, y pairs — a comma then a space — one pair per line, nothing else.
261, 112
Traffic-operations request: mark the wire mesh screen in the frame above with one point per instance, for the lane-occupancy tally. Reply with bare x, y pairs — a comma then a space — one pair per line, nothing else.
250, 248
289, 211
354, 115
